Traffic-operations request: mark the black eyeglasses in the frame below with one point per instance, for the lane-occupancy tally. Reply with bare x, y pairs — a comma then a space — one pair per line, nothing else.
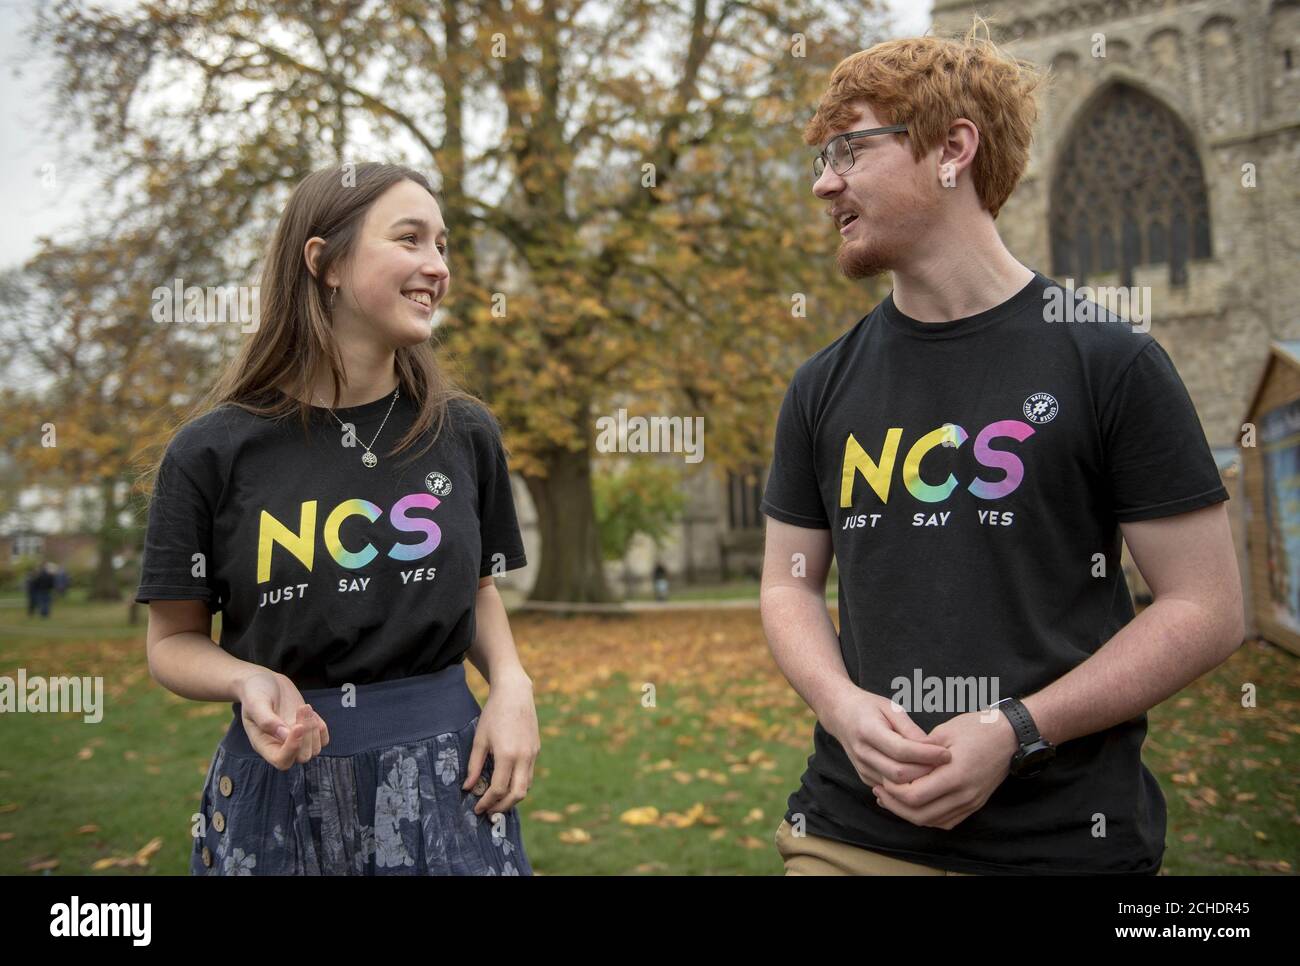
839, 152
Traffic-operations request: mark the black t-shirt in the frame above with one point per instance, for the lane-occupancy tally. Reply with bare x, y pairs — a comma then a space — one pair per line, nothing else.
969, 471
327, 570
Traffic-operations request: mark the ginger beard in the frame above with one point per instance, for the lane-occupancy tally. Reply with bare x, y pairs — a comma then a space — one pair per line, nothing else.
884, 235
860, 256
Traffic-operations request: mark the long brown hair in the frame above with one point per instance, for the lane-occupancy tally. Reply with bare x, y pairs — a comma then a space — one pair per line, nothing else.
294, 337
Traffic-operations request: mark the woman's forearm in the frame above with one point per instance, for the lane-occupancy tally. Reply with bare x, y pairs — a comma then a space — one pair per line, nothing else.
493, 651
194, 666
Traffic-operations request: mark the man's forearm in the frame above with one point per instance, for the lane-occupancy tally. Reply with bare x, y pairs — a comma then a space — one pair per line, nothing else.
804, 645
1171, 643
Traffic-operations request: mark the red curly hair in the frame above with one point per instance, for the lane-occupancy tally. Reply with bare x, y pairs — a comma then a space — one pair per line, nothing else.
929, 82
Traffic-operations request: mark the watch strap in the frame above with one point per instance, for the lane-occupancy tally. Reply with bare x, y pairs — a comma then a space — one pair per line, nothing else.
1021, 721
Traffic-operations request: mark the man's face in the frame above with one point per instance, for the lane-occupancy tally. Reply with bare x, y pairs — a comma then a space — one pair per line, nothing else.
895, 202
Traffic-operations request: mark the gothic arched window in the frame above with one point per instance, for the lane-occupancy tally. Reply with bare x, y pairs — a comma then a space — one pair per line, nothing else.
1128, 190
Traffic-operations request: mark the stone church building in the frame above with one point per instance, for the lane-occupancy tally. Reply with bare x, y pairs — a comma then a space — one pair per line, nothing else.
1165, 159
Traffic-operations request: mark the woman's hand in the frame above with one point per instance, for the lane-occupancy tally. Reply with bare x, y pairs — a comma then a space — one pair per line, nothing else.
507, 729
281, 727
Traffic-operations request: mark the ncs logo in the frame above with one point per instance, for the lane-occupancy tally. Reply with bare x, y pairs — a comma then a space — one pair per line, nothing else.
301, 543
879, 472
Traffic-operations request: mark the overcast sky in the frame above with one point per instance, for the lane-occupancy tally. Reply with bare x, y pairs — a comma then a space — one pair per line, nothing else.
32, 208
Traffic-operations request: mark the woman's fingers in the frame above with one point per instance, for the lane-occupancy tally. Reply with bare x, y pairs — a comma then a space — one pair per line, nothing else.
264, 718
324, 730
285, 755
308, 733
260, 702
300, 745
313, 723
518, 787
510, 782
521, 779
528, 775
477, 755
497, 797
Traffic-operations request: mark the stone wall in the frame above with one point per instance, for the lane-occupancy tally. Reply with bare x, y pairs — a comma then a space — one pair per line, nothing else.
1230, 71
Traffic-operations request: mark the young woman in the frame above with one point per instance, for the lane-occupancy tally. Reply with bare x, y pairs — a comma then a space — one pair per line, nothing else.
345, 508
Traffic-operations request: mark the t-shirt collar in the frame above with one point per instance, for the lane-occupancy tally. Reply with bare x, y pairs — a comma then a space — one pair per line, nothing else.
966, 326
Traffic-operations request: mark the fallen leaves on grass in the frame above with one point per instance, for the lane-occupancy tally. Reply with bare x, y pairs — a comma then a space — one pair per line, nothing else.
650, 815
139, 859
645, 815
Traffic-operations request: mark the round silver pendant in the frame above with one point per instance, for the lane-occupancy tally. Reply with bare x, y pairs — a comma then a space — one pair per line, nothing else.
370, 459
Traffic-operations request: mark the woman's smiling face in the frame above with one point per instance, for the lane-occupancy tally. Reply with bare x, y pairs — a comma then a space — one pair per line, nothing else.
397, 274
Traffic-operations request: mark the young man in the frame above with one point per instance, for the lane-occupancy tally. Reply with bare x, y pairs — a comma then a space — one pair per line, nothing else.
971, 452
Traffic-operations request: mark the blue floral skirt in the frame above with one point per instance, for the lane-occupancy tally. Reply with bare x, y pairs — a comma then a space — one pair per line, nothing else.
384, 797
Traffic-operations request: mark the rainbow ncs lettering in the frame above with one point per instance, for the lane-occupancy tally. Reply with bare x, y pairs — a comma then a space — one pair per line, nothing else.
301, 545
878, 472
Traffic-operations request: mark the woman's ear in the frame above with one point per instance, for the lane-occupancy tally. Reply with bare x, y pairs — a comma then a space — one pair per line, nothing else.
311, 253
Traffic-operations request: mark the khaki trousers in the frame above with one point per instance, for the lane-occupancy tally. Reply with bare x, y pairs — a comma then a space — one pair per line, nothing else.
814, 855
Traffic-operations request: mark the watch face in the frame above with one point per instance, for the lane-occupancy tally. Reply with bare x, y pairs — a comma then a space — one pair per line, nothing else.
1032, 760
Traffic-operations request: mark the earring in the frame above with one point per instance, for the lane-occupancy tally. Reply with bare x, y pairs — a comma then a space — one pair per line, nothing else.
333, 292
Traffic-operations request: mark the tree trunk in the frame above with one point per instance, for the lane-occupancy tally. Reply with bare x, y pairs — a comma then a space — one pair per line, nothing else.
104, 583
570, 568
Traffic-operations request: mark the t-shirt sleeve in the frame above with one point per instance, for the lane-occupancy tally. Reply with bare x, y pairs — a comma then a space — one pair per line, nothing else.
178, 562
503, 545
1157, 458
792, 494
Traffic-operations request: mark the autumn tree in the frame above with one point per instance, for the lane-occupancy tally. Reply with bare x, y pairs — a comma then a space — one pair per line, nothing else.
93, 378
627, 192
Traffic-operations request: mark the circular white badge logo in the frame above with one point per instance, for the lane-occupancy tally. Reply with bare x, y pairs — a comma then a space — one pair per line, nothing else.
438, 484
1041, 408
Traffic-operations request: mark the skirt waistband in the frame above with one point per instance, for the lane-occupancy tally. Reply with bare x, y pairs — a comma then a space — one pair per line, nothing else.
382, 714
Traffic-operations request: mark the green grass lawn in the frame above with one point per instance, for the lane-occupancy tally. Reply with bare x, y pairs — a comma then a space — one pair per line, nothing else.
707, 770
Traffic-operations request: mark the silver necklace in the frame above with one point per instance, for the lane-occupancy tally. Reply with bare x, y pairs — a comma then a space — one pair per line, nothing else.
369, 458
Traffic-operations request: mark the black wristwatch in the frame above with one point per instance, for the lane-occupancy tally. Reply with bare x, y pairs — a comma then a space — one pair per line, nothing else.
1035, 750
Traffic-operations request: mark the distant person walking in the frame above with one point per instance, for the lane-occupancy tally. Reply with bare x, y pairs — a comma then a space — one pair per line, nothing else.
42, 586
661, 582
29, 586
